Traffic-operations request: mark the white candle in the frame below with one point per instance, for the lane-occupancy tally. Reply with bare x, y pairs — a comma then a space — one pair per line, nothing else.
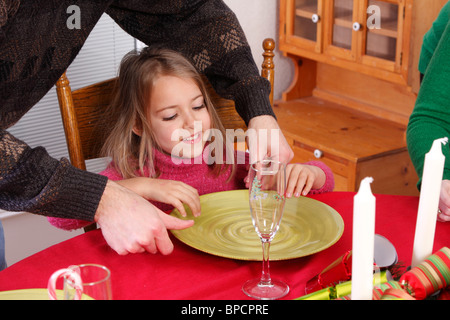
429, 202
363, 241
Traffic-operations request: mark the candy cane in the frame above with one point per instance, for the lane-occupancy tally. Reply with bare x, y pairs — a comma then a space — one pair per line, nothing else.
72, 276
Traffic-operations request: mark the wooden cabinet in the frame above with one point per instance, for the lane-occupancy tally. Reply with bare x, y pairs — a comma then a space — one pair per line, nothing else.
353, 144
370, 36
354, 86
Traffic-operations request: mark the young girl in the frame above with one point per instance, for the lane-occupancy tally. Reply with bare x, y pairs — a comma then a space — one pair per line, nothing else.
162, 105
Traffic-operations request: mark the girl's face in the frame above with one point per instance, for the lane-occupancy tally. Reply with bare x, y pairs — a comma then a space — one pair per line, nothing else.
175, 104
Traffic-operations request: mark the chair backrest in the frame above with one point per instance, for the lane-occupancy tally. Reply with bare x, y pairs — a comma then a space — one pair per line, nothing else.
83, 109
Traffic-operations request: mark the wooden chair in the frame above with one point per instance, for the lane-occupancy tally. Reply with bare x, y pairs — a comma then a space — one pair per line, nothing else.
82, 109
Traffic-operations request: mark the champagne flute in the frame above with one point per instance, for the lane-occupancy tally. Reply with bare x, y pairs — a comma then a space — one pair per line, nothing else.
266, 198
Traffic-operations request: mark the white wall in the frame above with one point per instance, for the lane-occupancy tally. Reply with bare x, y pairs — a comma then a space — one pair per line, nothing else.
26, 233
259, 19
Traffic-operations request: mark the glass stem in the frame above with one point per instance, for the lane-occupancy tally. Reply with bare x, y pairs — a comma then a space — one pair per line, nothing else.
265, 275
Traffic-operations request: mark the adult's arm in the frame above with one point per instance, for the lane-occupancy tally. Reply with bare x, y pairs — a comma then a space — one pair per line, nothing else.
32, 181
36, 47
209, 34
430, 118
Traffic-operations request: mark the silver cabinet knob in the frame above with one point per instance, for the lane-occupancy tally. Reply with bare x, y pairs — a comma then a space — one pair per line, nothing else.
315, 18
356, 26
318, 153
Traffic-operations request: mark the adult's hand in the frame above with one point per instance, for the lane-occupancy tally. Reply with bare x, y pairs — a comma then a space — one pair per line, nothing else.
131, 224
444, 201
266, 139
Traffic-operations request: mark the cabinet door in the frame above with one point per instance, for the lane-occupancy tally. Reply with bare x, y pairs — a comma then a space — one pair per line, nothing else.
383, 34
304, 23
366, 31
340, 38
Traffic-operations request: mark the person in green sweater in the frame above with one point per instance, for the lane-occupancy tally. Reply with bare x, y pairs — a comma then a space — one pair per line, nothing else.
432, 37
430, 119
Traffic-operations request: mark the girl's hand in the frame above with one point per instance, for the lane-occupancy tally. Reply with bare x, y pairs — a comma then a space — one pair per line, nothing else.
302, 178
444, 202
171, 192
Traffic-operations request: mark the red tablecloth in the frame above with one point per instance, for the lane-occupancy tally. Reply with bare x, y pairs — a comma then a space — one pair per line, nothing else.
191, 274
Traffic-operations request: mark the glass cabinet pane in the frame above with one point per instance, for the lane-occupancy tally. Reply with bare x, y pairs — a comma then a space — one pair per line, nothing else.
382, 25
306, 19
342, 23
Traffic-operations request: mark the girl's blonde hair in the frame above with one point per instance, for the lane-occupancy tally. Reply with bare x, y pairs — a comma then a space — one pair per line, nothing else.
129, 152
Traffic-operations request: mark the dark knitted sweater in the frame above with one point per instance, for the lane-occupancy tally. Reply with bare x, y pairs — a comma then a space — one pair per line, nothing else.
36, 47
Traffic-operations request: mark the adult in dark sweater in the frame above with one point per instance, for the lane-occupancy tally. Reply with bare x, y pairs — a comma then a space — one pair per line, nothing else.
36, 47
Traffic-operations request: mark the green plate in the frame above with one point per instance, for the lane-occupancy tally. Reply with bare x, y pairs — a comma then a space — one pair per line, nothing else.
225, 228
33, 294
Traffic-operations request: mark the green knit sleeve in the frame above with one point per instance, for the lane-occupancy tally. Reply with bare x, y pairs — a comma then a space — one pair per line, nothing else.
432, 37
430, 118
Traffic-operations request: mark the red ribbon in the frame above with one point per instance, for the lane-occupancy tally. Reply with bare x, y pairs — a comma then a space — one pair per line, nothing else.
337, 272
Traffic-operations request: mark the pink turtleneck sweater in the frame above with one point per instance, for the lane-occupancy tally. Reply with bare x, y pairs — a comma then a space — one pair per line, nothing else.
195, 174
